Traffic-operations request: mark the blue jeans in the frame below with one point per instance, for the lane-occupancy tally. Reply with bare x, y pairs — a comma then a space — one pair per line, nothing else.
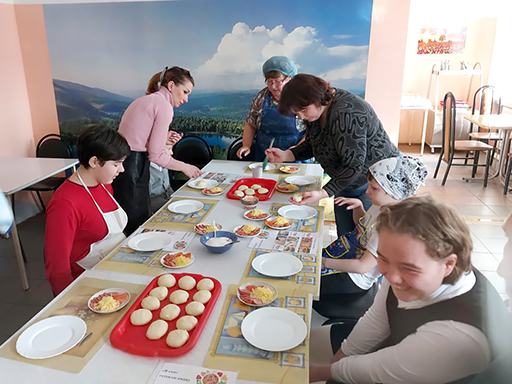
344, 218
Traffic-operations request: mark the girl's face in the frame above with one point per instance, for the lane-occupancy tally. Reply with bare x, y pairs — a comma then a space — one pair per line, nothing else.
180, 92
106, 173
377, 195
406, 264
311, 113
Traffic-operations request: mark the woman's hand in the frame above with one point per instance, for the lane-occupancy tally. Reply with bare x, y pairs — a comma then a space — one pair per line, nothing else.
243, 151
276, 155
191, 171
173, 137
311, 197
351, 203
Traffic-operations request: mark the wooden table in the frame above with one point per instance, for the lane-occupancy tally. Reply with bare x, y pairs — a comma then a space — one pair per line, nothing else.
16, 174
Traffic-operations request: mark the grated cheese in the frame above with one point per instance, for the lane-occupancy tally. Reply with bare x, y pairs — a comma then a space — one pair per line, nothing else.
181, 261
280, 221
248, 228
107, 303
263, 293
216, 190
257, 212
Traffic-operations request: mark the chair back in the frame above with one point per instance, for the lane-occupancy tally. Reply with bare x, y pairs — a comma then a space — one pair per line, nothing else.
449, 119
53, 146
486, 101
193, 150
233, 149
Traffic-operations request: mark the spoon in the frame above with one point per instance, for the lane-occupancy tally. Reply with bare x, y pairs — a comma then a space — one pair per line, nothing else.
214, 229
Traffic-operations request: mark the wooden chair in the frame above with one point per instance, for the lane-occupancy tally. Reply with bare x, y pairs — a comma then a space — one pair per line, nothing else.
450, 145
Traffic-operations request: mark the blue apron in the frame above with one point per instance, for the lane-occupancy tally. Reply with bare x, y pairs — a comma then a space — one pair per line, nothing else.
274, 124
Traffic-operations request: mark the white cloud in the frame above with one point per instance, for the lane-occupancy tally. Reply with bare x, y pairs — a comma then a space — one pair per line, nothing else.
236, 65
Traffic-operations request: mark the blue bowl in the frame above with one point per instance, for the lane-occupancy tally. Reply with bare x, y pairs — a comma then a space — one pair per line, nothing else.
225, 248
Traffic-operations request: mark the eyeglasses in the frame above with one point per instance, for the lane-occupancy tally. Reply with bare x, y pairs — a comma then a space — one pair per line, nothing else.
274, 82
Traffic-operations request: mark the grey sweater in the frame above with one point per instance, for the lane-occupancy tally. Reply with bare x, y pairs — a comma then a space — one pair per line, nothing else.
352, 140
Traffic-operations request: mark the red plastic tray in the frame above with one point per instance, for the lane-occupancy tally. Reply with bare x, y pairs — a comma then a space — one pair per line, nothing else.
265, 183
132, 339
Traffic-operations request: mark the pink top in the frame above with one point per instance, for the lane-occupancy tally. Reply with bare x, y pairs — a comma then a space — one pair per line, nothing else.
145, 125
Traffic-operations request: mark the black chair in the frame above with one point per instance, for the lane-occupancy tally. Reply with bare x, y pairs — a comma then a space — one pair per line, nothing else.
233, 149
191, 150
450, 145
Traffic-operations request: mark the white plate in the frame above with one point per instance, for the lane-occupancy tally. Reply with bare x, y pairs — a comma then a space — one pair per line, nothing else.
240, 226
283, 169
274, 329
208, 184
51, 337
192, 259
269, 166
278, 228
277, 264
218, 227
259, 284
292, 190
300, 180
150, 241
109, 292
253, 219
185, 206
212, 194
297, 211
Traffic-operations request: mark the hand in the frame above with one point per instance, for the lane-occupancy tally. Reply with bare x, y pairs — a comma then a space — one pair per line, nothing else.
351, 203
338, 356
311, 197
173, 137
244, 151
319, 373
191, 171
276, 155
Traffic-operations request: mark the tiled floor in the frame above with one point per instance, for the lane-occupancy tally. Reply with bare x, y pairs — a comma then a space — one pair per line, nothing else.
484, 209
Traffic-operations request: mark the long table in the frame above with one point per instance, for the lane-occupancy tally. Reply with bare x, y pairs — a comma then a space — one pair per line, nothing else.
105, 364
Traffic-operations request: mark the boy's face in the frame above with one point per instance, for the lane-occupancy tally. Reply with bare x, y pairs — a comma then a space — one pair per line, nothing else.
406, 264
106, 173
377, 195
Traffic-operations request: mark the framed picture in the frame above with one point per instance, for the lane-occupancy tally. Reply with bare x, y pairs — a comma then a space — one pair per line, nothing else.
435, 41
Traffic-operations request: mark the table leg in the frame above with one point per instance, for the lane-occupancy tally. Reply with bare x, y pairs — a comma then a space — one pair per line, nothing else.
17, 251
424, 131
411, 127
504, 154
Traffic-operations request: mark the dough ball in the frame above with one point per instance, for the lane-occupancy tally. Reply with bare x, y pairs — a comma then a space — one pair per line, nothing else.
202, 296
160, 293
201, 183
239, 194
195, 308
205, 284
170, 312
242, 187
186, 323
151, 303
157, 329
141, 317
262, 191
177, 338
249, 192
179, 297
297, 197
187, 283
255, 186
167, 280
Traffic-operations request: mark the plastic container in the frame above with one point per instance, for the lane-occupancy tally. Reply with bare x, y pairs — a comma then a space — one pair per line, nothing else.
265, 183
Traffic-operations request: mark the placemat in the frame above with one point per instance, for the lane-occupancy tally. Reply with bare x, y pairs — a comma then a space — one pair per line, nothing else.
74, 303
230, 351
302, 225
276, 171
225, 180
317, 185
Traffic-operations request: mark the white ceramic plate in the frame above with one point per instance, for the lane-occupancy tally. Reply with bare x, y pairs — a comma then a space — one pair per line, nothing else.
200, 228
205, 192
269, 166
185, 206
297, 211
274, 329
287, 190
202, 184
150, 241
246, 215
109, 292
258, 284
51, 337
192, 259
240, 235
277, 264
289, 169
300, 180
278, 228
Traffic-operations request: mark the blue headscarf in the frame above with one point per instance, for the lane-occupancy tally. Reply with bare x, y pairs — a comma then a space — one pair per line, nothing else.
281, 64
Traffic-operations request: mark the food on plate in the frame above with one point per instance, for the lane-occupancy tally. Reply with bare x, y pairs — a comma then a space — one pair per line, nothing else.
187, 323
287, 188
250, 191
203, 228
297, 197
187, 283
202, 296
151, 303
179, 297
239, 193
157, 329
218, 241
205, 284
177, 338
255, 186
170, 312
289, 169
249, 201
177, 259
141, 316
278, 222
243, 187
256, 294
201, 183
256, 214
194, 308
262, 191
107, 304
167, 280
248, 230
160, 293
213, 191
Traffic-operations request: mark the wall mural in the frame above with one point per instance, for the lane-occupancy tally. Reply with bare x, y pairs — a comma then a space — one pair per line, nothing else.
103, 54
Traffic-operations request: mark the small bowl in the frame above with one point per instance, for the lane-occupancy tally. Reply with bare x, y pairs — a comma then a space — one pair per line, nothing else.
249, 202
225, 248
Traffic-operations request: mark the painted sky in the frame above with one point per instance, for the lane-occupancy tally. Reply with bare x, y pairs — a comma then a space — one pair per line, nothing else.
119, 46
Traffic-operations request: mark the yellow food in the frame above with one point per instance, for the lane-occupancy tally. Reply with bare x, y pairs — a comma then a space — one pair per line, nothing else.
107, 303
292, 186
210, 228
216, 190
257, 212
263, 293
181, 261
286, 169
248, 228
280, 221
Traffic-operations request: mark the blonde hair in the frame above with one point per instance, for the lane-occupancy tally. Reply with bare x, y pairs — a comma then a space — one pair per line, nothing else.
437, 225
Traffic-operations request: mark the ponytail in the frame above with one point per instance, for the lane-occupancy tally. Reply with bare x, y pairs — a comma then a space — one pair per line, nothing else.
161, 79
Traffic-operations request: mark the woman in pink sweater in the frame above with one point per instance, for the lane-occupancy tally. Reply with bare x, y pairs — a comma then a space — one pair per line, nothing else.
145, 125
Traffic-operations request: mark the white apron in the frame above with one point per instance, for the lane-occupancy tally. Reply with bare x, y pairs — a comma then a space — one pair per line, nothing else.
116, 221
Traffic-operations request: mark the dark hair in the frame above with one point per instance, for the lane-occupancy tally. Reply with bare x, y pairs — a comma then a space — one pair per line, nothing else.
303, 90
437, 225
175, 74
102, 142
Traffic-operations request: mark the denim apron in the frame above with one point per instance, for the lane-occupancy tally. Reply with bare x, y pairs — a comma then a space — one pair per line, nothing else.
274, 124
